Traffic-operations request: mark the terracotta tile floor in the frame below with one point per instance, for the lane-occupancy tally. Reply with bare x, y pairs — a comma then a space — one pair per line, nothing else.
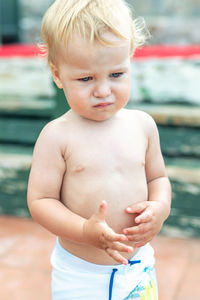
25, 248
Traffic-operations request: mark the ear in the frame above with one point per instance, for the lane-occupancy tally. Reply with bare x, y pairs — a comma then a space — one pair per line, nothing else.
56, 77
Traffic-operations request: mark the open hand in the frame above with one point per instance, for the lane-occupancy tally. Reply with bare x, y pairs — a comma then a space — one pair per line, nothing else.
97, 233
149, 222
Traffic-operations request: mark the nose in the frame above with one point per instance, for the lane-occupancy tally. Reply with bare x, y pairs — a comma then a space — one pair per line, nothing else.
102, 90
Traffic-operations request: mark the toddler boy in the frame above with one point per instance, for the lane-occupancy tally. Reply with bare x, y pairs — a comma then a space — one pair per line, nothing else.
98, 180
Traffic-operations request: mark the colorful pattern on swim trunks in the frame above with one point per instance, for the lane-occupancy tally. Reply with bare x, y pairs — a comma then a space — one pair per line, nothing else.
145, 290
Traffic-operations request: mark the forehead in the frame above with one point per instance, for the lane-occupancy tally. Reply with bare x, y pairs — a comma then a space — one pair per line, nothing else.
81, 52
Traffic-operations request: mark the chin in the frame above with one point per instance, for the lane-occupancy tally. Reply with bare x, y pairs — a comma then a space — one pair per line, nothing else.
99, 118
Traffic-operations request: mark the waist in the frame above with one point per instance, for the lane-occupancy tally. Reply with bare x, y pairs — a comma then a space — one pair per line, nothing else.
94, 255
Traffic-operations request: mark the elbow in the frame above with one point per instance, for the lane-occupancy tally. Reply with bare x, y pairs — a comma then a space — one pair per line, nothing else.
162, 178
33, 207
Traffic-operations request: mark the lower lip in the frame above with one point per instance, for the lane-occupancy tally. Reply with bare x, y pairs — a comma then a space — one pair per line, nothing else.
102, 105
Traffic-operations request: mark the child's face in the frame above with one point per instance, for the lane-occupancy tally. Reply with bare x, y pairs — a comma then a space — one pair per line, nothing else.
95, 78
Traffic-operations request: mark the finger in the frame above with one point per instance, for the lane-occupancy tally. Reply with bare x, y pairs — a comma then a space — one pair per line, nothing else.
102, 210
142, 243
145, 217
115, 237
140, 237
121, 247
135, 238
140, 229
117, 256
108, 236
137, 208
131, 230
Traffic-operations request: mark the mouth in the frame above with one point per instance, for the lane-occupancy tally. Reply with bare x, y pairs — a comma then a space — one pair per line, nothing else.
102, 105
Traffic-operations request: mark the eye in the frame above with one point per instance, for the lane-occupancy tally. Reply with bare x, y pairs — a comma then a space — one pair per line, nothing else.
116, 75
85, 79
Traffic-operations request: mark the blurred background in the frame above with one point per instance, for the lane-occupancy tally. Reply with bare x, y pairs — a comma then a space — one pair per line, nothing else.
165, 83
169, 21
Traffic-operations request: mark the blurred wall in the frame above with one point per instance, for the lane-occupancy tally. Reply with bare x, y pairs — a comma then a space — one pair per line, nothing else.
9, 16
31, 13
169, 21
167, 7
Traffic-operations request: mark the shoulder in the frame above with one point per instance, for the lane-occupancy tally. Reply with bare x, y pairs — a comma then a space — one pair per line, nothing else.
141, 117
55, 128
51, 136
144, 123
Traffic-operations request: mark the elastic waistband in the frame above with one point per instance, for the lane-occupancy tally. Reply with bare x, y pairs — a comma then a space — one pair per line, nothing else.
61, 258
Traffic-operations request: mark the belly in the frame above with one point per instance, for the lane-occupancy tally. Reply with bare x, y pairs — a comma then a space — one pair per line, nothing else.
84, 196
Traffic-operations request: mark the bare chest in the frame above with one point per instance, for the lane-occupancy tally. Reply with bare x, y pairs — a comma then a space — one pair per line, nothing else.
105, 153
106, 164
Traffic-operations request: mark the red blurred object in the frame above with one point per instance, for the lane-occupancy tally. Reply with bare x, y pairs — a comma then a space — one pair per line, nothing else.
167, 51
153, 51
22, 50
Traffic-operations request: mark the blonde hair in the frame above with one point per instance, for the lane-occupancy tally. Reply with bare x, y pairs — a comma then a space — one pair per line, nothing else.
90, 18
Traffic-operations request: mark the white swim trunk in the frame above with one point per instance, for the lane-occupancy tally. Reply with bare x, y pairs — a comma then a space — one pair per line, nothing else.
75, 278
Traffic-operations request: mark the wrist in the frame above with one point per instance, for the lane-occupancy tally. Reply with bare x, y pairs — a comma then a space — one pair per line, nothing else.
162, 207
160, 192
86, 236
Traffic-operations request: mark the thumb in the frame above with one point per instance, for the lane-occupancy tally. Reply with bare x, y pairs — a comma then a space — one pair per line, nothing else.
102, 210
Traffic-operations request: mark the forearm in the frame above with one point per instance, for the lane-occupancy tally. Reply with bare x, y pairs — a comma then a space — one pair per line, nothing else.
58, 219
159, 190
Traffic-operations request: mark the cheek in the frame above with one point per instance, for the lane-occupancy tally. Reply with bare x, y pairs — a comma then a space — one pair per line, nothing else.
76, 99
70, 92
76, 91
124, 90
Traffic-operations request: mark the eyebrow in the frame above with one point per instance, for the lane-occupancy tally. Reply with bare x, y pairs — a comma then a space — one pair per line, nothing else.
121, 68
112, 70
84, 72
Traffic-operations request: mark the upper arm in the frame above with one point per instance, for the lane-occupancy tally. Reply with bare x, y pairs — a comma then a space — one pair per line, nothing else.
154, 164
48, 166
